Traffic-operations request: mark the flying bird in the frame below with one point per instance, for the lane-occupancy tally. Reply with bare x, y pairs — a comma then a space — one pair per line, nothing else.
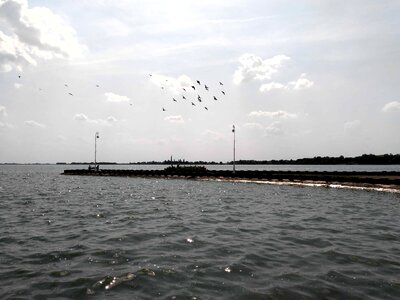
205, 108
97, 85
150, 75
193, 104
163, 109
70, 94
19, 76
183, 97
198, 81
193, 87
66, 85
223, 92
199, 98
220, 83
173, 99
215, 98
206, 87
184, 89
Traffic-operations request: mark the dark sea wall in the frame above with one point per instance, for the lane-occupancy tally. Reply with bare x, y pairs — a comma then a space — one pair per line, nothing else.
392, 178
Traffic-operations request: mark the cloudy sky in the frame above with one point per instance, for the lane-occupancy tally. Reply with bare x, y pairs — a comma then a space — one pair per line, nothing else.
301, 78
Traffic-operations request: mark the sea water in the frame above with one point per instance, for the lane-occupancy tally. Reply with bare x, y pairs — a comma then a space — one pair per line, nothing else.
71, 237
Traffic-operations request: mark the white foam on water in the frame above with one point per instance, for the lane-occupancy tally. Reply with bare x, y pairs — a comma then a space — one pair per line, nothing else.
311, 184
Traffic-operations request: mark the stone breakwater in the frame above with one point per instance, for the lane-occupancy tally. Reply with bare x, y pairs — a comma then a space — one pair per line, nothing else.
391, 179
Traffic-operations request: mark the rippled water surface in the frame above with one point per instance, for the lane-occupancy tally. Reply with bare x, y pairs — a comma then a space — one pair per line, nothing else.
71, 237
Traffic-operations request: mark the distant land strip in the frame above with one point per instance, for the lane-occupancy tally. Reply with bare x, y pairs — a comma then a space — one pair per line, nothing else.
365, 159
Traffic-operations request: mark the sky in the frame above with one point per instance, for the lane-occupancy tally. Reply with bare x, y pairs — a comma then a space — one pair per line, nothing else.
301, 78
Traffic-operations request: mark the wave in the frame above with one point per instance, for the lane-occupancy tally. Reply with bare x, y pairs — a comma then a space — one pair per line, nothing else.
353, 186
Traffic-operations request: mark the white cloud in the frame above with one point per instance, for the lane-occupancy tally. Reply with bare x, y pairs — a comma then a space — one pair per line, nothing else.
173, 84
350, 125
34, 33
112, 119
273, 114
274, 129
391, 106
81, 117
13, 53
5, 125
301, 83
271, 86
175, 119
32, 123
3, 111
279, 117
111, 97
254, 67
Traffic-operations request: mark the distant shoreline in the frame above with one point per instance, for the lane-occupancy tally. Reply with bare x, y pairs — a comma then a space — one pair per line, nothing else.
209, 164
194, 164
365, 159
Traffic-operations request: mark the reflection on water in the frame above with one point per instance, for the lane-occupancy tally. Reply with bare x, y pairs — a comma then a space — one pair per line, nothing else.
133, 238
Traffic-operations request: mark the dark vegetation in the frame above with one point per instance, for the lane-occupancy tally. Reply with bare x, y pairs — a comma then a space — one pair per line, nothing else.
179, 162
87, 163
365, 159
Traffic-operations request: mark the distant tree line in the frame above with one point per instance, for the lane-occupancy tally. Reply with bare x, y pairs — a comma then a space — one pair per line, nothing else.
365, 159
88, 163
178, 162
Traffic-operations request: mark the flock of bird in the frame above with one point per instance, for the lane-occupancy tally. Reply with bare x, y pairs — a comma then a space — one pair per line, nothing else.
65, 84
185, 95
196, 89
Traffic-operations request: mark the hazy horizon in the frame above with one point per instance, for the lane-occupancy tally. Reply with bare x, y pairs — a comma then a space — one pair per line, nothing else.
183, 160
301, 79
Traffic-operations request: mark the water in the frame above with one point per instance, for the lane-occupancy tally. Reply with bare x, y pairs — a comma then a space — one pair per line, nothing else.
61, 235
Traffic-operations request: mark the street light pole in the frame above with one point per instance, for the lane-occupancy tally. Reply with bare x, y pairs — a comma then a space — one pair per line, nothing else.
96, 136
234, 146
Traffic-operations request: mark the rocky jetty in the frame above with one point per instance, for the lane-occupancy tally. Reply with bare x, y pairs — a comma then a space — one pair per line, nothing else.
369, 178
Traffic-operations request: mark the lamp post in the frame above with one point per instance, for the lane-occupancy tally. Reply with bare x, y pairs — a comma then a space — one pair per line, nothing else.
233, 130
96, 136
